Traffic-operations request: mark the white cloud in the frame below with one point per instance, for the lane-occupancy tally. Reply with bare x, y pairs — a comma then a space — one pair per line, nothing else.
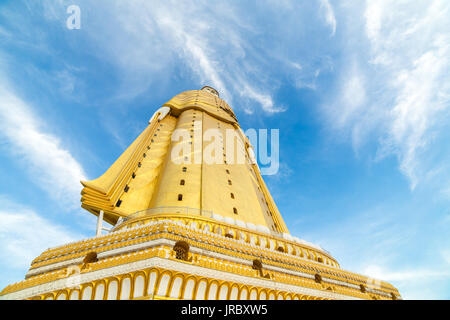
383, 246
348, 110
264, 100
214, 45
378, 272
195, 46
416, 283
306, 75
24, 235
411, 45
373, 16
416, 108
352, 97
397, 94
329, 15
51, 166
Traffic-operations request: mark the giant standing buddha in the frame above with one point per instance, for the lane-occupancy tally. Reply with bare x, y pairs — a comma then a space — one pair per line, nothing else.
186, 229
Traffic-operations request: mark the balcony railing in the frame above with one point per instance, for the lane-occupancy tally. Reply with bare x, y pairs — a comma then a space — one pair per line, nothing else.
187, 211
169, 209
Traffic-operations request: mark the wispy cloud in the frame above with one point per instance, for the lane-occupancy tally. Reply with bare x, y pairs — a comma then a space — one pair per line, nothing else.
413, 283
264, 99
399, 92
306, 75
378, 272
193, 38
216, 47
373, 243
329, 15
413, 47
350, 105
51, 166
25, 234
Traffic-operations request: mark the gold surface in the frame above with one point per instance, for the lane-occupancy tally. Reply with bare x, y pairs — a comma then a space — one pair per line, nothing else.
142, 187
290, 261
157, 178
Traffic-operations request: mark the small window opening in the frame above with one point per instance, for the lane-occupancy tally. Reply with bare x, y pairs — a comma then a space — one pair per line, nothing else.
180, 197
235, 211
181, 249
317, 278
118, 203
182, 183
133, 175
90, 257
126, 188
232, 195
184, 169
257, 264
229, 182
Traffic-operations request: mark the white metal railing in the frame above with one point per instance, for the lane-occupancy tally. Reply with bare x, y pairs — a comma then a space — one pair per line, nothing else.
168, 209
189, 211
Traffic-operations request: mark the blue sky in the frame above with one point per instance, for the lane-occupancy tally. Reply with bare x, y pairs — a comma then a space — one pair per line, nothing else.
359, 91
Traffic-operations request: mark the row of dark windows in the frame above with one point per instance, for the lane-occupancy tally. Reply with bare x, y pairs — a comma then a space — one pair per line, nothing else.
133, 175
